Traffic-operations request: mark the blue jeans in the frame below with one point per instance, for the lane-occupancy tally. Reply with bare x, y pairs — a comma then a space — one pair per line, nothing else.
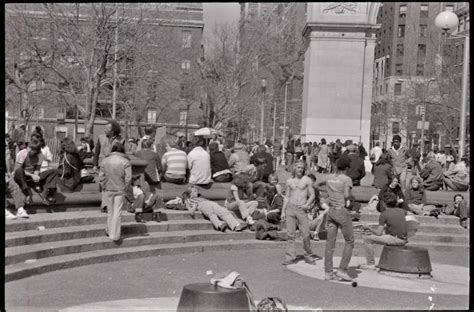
338, 218
297, 216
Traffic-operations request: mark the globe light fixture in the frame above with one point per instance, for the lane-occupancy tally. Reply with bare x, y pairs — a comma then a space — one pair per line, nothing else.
447, 21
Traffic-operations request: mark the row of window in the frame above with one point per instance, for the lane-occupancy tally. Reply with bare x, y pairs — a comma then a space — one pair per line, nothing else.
423, 30
152, 112
424, 9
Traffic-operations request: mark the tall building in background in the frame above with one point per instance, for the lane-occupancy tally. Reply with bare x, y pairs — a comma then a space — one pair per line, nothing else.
407, 57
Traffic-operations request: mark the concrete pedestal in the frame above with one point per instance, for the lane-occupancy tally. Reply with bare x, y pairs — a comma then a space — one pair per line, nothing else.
406, 259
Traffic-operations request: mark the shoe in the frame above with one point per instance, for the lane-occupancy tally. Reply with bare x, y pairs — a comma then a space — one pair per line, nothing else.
9, 215
250, 221
343, 275
315, 256
310, 260
21, 212
463, 223
103, 209
288, 262
240, 227
329, 276
223, 227
367, 267
315, 236
51, 199
28, 199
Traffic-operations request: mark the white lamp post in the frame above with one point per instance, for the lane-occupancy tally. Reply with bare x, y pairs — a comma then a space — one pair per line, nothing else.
448, 22
264, 88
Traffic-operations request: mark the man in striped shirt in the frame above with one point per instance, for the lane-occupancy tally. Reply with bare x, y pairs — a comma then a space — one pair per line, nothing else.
175, 163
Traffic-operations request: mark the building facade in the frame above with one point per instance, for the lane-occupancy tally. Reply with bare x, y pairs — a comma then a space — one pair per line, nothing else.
408, 66
156, 75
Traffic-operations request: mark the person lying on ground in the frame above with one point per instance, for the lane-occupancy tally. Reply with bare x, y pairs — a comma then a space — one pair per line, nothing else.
393, 222
458, 208
27, 173
220, 217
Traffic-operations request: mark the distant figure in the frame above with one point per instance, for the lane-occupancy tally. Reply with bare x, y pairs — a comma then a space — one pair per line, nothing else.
323, 157
115, 177
132, 146
356, 169
150, 133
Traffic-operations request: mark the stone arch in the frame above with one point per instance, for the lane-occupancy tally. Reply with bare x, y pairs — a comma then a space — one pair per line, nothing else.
373, 11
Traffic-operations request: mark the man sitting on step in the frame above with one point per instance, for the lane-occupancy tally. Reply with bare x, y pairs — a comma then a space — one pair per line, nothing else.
395, 225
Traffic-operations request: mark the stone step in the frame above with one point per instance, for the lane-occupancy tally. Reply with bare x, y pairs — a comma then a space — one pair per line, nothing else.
69, 231
13, 239
442, 219
76, 218
118, 253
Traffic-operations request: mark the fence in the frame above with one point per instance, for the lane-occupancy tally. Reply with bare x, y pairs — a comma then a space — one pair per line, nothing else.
55, 147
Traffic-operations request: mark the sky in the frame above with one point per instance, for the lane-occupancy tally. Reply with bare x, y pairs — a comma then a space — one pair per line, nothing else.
218, 13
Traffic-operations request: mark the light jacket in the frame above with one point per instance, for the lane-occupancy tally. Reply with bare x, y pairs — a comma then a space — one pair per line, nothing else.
115, 173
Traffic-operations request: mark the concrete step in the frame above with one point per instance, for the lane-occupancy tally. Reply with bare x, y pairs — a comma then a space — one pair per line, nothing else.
442, 219
118, 253
13, 239
179, 222
18, 254
76, 218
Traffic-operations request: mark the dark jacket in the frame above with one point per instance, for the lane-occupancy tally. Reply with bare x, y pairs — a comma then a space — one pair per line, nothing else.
218, 162
383, 173
356, 171
154, 168
264, 162
69, 171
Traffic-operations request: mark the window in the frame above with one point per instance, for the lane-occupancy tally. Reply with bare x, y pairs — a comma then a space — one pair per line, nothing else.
397, 89
185, 64
401, 31
403, 11
186, 39
399, 49
449, 7
151, 115
461, 25
423, 30
183, 116
398, 69
422, 50
182, 91
40, 112
395, 127
420, 69
424, 10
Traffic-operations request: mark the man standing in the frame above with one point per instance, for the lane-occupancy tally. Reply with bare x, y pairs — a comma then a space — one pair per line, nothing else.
199, 164
356, 169
103, 147
395, 225
115, 176
339, 191
399, 155
298, 201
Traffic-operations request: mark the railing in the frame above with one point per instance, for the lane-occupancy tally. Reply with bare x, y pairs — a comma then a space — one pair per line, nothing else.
54, 146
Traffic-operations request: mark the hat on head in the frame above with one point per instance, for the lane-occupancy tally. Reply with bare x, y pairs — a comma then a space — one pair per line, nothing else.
238, 146
450, 158
351, 148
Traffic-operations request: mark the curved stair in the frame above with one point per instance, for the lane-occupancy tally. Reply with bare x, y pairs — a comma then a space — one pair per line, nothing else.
77, 238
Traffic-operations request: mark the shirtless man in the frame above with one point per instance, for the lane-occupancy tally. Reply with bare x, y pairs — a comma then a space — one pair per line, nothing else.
299, 197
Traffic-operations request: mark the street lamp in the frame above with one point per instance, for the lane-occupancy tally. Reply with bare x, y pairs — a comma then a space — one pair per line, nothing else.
448, 22
264, 88
283, 159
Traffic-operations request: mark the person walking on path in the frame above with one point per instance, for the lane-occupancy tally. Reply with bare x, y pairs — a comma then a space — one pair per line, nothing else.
115, 177
323, 157
299, 198
339, 191
395, 225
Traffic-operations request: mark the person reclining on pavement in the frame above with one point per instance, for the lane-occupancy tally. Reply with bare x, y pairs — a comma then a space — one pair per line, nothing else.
395, 225
220, 217
458, 208
27, 173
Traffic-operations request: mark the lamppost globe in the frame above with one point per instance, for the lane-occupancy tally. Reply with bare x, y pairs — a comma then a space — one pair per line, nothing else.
264, 84
447, 21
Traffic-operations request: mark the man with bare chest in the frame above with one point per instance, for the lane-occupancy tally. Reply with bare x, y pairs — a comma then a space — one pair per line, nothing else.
299, 197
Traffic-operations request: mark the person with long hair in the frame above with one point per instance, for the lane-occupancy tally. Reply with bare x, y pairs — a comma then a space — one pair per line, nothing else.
299, 198
70, 166
414, 197
382, 171
393, 186
323, 157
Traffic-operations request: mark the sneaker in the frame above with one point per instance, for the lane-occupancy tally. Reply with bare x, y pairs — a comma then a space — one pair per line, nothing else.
315, 236
9, 215
288, 262
367, 267
343, 275
222, 227
329, 276
315, 256
22, 213
310, 260
240, 227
